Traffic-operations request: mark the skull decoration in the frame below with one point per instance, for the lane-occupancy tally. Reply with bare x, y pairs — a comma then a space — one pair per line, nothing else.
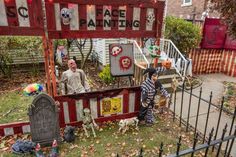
125, 62
150, 18
115, 50
66, 16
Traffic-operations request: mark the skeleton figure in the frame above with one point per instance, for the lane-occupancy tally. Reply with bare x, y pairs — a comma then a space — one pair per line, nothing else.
88, 122
150, 18
116, 50
66, 16
124, 124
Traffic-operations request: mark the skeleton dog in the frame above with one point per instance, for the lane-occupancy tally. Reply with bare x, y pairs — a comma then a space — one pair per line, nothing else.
124, 124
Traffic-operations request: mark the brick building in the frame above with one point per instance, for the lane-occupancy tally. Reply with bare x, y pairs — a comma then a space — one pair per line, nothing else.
185, 8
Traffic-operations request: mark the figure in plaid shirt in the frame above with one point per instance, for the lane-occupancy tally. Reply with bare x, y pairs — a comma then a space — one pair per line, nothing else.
149, 89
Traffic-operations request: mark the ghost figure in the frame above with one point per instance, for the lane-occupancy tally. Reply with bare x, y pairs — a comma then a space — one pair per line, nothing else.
116, 50
125, 62
150, 18
66, 16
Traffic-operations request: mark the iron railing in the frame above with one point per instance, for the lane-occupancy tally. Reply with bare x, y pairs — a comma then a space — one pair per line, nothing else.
213, 141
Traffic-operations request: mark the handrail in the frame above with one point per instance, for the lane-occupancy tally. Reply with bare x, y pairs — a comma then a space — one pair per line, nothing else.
140, 52
173, 52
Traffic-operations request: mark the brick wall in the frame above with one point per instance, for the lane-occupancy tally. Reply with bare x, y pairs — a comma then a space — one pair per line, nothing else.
175, 8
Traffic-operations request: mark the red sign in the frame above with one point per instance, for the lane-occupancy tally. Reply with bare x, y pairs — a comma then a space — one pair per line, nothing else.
21, 17
104, 19
215, 35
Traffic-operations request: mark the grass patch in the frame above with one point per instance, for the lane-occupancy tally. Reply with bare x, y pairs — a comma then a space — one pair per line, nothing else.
13, 107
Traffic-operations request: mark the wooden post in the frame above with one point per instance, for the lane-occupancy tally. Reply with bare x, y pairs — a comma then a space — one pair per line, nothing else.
46, 65
159, 15
52, 65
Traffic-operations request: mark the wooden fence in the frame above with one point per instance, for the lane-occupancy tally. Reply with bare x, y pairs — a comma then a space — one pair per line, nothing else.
107, 105
207, 61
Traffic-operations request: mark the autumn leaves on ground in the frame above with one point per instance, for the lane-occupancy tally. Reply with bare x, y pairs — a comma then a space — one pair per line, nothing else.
109, 141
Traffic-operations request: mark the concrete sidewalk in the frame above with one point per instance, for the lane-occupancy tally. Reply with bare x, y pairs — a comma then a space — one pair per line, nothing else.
214, 83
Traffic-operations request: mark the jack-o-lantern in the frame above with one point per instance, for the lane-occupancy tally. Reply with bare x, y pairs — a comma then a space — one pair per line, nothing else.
166, 64
125, 62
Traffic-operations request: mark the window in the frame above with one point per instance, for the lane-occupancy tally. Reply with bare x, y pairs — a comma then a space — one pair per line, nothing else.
186, 3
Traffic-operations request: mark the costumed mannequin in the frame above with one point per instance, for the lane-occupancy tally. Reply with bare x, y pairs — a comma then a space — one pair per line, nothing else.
149, 89
75, 80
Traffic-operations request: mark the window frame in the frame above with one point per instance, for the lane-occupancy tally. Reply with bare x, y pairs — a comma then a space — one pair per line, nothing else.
186, 3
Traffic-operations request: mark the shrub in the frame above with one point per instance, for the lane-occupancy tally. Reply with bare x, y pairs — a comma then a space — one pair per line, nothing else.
105, 75
184, 35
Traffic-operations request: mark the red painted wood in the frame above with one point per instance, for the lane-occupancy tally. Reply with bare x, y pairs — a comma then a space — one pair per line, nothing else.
143, 15
106, 2
99, 17
86, 103
137, 101
160, 15
100, 34
18, 130
50, 13
125, 101
98, 107
72, 110
2, 132
83, 15
21, 31
16, 124
129, 16
61, 115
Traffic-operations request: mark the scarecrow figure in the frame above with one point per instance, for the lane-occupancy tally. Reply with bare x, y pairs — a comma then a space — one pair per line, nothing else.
88, 122
149, 89
74, 80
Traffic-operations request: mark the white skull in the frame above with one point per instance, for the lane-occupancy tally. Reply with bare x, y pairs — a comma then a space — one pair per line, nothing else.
116, 50
150, 18
66, 16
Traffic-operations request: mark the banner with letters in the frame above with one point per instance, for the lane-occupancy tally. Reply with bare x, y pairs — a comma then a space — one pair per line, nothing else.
103, 19
21, 17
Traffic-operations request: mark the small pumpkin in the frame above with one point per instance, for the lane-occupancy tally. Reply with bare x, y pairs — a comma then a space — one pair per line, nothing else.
166, 64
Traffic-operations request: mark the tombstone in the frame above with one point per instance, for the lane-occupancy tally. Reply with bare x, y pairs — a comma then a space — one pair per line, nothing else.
44, 120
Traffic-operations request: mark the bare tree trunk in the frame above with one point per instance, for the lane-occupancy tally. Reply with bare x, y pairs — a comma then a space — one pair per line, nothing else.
90, 51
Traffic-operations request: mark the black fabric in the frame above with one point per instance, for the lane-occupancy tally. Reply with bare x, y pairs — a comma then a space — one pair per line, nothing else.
150, 72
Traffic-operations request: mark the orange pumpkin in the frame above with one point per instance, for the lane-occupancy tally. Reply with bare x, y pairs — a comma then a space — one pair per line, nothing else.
166, 64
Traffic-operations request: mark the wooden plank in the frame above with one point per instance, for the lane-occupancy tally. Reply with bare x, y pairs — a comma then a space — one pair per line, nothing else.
74, 22
3, 19
23, 16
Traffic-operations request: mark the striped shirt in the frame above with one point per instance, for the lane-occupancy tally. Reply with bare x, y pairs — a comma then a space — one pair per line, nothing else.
149, 90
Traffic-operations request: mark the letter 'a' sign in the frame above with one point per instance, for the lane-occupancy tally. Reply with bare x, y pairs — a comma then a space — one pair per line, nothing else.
21, 17
103, 19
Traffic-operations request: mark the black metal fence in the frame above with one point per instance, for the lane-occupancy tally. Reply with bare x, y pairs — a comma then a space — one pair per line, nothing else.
210, 144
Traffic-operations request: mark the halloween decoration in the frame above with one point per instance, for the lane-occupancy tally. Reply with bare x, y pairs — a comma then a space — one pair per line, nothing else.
54, 151
88, 122
69, 135
116, 50
150, 18
166, 64
124, 124
174, 84
33, 89
125, 62
66, 16
38, 151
